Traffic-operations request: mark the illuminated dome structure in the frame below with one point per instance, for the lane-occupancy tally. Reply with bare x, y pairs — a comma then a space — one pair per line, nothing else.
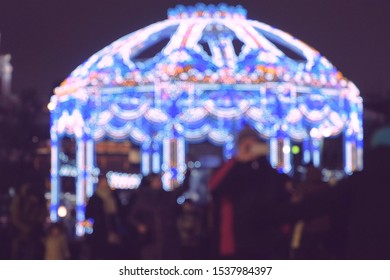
218, 72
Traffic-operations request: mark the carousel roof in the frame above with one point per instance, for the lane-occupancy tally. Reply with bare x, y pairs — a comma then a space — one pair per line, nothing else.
206, 44
217, 70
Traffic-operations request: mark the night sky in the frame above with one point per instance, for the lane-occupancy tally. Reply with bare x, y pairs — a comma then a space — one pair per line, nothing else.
48, 39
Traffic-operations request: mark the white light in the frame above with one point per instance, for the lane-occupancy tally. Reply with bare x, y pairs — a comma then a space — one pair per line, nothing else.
123, 181
286, 149
80, 158
269, 76
326, 132
316, 158
273, 152
51, 106
314, 132
90, 166
145, 163
167, 180
359, 159
306, 156
156, 162
181, 165
348, 157
166, 154
80, 230
68, 170
62, 212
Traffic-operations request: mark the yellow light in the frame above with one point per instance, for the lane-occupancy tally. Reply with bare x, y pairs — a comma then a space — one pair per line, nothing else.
295, 150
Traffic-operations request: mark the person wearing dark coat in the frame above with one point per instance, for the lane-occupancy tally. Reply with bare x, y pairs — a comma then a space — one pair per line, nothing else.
154, 216
361, 202
359, 207
103, 210
28, 214
243, 190
191, 230
311, 237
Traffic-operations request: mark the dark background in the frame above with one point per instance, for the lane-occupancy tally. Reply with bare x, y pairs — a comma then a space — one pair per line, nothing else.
48, 39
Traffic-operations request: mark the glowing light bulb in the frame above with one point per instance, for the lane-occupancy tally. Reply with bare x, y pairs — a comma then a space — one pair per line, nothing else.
51, 106
62, 212
286, 149
295, 150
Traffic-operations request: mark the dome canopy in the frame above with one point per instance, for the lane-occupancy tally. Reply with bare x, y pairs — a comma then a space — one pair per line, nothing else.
206, 45
217, 71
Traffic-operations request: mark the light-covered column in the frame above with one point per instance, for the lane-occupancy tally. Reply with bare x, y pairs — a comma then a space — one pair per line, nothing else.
145, 158
55, 143
90, 167
353, 137
280, 153
316, 141
316, 146
306, 151
80, 184
286, 154
360, 138
173, 162
273, 152
349, 151
156, 157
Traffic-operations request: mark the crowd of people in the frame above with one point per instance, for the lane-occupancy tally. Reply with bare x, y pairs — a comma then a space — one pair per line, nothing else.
254, 212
